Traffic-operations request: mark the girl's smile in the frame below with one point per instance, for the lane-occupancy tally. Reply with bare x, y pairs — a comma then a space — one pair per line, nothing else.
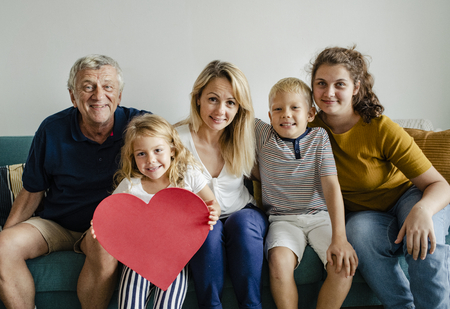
153, 157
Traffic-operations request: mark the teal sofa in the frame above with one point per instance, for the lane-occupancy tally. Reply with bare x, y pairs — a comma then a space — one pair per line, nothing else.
56, 275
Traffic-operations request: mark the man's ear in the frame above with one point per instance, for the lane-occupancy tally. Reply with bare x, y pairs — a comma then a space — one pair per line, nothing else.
311, 114
72, 98
120, 98
270, 116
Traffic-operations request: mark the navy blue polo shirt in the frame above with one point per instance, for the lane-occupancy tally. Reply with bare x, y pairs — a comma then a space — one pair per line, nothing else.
76, 171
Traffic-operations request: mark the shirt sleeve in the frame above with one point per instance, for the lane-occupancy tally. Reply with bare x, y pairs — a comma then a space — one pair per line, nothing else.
123, 187
400, 149
35, 177
327, 163
262, 131
194, 180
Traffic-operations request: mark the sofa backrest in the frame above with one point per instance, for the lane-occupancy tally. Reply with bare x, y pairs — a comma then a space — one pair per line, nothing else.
14, 149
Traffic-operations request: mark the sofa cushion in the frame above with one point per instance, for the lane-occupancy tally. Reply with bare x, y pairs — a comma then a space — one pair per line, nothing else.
436, 146
10, 185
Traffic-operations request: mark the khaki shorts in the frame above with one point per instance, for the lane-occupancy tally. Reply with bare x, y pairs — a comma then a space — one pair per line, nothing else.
297, 231
57, 237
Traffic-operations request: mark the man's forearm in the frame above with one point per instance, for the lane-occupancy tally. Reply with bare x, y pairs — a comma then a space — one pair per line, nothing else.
23, 207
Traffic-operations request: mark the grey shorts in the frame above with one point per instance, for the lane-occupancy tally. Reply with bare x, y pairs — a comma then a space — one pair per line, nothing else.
57, 237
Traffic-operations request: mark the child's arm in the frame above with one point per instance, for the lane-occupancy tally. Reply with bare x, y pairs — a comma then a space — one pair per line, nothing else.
214, 208
340, 247
255, 172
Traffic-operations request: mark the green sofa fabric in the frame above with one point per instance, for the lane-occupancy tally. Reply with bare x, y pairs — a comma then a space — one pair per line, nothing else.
56, 274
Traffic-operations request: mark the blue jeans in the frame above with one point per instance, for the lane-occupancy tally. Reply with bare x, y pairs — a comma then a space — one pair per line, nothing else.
372, 234
236, 242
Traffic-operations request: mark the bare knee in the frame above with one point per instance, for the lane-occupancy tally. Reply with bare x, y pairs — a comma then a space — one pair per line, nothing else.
97, 258
282, 262
21, 242
338, 277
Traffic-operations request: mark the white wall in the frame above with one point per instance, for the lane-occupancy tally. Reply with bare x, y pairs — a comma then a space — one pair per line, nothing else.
163, 45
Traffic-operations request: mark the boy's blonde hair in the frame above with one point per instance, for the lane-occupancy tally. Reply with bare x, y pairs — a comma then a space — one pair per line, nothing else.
291, 84
153, 126
237, 143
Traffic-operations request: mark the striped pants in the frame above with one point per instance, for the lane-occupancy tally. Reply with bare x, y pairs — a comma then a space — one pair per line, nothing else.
135, 291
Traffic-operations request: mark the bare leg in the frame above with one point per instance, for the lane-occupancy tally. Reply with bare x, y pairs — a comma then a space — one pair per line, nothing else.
282, 262
98, 277
18, 244
335, 288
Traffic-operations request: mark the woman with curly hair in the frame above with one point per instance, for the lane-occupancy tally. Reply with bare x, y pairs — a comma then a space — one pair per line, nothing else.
395, 200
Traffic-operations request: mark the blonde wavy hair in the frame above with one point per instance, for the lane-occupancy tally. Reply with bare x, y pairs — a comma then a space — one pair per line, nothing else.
153, 126
237, 143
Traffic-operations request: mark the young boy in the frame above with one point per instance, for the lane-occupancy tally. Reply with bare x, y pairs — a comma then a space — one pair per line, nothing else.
299, 184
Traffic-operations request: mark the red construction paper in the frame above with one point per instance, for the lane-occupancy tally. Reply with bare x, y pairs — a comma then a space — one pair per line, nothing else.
156, 239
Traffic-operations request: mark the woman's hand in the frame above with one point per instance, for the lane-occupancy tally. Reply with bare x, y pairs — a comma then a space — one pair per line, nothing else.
346, 258
418, 228
214, 213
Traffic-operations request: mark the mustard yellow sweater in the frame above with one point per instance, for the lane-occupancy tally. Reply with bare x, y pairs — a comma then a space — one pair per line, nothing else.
374, 163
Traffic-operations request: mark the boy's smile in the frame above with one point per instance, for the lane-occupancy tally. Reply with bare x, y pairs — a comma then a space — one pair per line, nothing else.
289, 114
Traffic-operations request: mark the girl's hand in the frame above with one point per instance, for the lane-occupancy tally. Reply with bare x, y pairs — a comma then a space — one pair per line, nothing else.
213, 213
346, 258
418, 228
93, 232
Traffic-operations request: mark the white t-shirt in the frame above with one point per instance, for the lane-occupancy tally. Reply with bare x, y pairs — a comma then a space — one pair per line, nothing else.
229, 190
194, 182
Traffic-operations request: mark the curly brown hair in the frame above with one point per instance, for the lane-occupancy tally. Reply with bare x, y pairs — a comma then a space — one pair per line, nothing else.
365, 102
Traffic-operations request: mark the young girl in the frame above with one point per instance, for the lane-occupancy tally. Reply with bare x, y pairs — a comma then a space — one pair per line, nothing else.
153, 158
395, 199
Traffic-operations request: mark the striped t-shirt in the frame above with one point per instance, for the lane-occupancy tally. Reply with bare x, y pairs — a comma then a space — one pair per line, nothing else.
290, 170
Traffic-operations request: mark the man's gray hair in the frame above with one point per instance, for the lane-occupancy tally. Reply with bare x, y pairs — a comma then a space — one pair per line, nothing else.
93, 62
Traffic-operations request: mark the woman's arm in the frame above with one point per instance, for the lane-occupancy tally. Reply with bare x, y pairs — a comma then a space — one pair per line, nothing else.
418, 225
340, 247
213, 206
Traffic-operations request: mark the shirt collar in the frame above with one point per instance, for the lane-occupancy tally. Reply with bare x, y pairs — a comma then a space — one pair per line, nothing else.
120, 122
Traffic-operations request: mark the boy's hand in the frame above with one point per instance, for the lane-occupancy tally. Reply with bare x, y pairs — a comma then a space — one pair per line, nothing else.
213, 214
346, 258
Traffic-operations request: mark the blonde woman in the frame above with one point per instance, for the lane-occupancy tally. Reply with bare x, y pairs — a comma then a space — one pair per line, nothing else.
220, 134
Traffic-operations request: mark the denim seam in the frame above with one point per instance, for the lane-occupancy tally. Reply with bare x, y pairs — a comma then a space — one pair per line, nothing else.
391, 249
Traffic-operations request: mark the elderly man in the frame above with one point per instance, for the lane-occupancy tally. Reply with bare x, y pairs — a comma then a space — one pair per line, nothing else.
69, 170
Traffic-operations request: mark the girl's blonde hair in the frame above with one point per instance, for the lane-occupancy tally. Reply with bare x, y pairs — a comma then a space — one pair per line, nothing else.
153, 126
237, 143
365, 102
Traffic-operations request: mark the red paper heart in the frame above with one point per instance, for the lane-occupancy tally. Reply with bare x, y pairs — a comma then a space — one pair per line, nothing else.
156, 239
